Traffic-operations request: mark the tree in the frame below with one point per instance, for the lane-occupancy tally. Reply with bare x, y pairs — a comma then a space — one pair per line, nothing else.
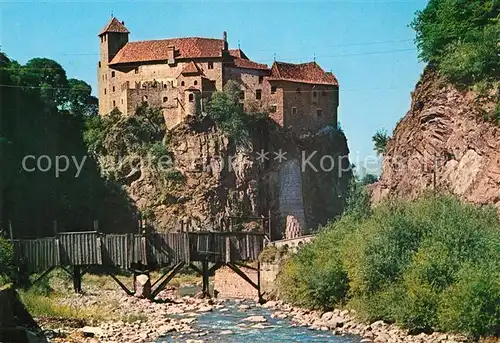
460, 37
45, 117
228, 114
368, 179
47, 79
79, 98
380, 139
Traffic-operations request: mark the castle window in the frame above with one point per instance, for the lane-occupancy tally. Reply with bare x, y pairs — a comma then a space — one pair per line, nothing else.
104, 91
210, 65
145, 98
113, 88
273, 89
164, 85
298, 91
182, 83
99, 64
136, 70
242, 95
191, 97
319, 112
114, 103
273, 108
112, 74
165, 99
258, 94
261, 78
294, 110
195, 82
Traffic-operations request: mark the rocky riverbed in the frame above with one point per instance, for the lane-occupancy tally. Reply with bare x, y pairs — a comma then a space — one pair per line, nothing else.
192, 320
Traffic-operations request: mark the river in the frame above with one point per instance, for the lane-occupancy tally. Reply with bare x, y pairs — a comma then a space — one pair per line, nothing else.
226, 325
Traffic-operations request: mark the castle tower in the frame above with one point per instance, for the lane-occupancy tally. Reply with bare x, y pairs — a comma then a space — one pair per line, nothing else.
191, 101
112, 38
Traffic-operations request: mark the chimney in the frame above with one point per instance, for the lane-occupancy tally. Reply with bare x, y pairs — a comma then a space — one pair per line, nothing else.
171, 54
224, 38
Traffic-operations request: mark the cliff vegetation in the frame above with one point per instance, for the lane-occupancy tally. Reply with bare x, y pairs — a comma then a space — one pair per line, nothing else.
431, 264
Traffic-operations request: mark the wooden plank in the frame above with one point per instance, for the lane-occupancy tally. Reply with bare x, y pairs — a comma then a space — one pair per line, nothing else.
122, 286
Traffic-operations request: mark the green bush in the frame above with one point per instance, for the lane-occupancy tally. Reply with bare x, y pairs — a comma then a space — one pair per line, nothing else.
6, 261
315, 277
406, 262
472, 305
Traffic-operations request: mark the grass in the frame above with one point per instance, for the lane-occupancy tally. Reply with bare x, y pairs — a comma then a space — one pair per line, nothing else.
40, 305
52, 297
105, 282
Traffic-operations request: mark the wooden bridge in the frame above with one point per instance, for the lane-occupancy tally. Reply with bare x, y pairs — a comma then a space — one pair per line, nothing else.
76, 252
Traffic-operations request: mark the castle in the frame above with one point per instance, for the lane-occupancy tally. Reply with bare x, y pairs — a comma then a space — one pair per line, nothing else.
179, 74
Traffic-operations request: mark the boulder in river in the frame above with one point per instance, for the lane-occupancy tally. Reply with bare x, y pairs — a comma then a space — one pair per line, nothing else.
255, 319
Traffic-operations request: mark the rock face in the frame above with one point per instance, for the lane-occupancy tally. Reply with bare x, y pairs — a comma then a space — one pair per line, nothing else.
221, 180
443, 142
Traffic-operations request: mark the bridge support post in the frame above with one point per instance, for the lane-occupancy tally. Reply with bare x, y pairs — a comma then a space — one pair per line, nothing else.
77, 279
206, 279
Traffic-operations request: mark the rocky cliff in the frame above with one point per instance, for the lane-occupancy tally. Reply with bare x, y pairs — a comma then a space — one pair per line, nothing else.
444, 142
218, 182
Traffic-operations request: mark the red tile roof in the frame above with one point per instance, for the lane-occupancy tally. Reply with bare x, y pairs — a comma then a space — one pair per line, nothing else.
114, 25
237, 53
156, 50
191, 68
241, 60
247, 64
305, 72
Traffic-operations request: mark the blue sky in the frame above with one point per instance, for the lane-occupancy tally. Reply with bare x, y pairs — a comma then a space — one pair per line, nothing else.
366, 44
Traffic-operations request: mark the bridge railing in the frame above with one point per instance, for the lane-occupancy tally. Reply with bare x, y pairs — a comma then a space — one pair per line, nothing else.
225, 246
155, 250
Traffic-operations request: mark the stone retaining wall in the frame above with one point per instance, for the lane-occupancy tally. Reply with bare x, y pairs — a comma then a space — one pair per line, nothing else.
231, 285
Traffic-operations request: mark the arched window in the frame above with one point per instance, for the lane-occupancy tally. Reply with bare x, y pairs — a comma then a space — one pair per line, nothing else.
99, 64
114, 103
104, 91
182, 83
191, 97
112, 74
165, 99
195, 82
113, 88
164, 85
